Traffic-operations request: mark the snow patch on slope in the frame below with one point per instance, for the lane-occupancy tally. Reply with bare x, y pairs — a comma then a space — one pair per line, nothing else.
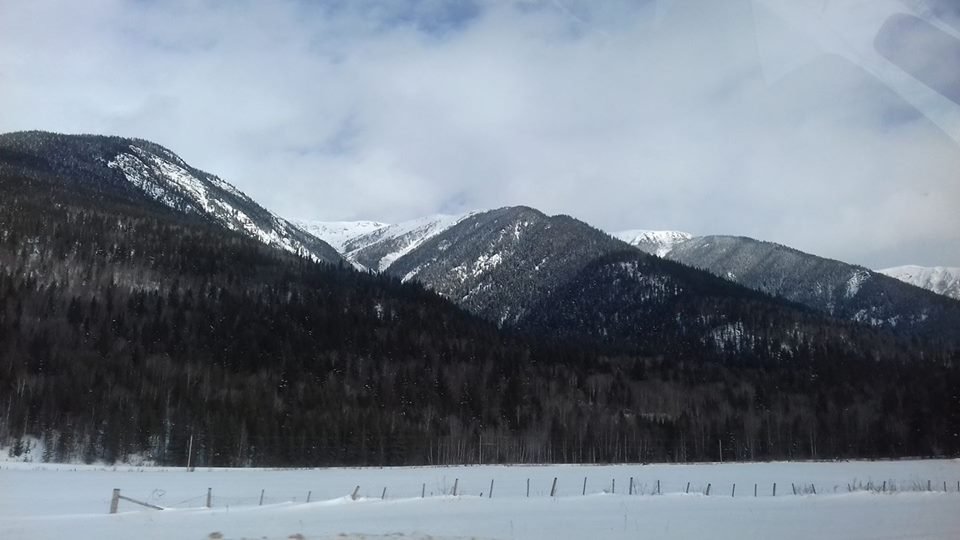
856, 281
168, 180
943, 280
486, 262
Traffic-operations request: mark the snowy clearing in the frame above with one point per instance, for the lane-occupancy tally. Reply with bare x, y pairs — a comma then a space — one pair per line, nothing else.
72, 501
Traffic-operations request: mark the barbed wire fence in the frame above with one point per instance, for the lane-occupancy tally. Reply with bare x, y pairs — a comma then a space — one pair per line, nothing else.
633, 487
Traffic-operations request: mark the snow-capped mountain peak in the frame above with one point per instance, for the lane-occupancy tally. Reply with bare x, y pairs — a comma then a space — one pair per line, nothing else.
374, 245
943, 280
167, 179
657, 242
339, 233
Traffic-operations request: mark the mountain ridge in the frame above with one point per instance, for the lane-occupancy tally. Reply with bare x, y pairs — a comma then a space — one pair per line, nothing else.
656, 242
499, 262
943, 280
137, 167
843, 290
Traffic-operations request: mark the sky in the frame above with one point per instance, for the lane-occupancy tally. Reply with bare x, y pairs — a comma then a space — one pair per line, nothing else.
832, 126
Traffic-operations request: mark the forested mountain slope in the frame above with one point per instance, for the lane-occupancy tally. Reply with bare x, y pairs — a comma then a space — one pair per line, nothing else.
499, 263
128, 327
842, 290
631, 301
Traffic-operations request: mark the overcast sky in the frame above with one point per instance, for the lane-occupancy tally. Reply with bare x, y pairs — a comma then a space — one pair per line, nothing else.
828, 125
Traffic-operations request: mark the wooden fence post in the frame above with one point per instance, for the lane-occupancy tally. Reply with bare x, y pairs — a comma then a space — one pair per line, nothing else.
928, 485
733, 492
688, 488
754, 489
813, 488
528, 487
355, 491
261, 496
794, 488
115, 501
490, 494
423, 490
613, 485
708, 488
553, 489
774, 489
384, 494
455, 482
309, 493
658, 487
584, 485
210, 497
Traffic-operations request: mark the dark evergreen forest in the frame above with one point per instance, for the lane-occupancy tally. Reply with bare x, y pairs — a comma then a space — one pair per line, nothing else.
128, 328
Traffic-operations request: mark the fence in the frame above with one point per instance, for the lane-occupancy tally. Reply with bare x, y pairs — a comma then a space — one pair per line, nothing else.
635, 488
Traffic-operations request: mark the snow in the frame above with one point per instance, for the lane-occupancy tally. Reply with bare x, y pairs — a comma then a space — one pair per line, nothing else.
411, 234
486, 262
730, 335
57, 501
412, 274
943, 280
338, 233
518, 228
661, 241
857, 279
138, 174
350, 237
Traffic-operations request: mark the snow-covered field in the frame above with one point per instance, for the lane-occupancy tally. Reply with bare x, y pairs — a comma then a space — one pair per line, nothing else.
71, 501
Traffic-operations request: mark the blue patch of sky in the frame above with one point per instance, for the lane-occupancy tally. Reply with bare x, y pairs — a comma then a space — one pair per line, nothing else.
434, 18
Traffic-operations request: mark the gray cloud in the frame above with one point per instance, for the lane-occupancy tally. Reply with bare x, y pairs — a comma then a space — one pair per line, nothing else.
774, 119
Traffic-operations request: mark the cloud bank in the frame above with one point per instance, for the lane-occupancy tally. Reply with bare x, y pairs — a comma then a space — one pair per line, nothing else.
776, 119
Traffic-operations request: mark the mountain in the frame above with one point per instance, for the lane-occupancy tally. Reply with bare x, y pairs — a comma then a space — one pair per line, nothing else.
559, 277
499, 263
842, 290
138, 169
658, 243
132, 327
502, 263
943, 280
